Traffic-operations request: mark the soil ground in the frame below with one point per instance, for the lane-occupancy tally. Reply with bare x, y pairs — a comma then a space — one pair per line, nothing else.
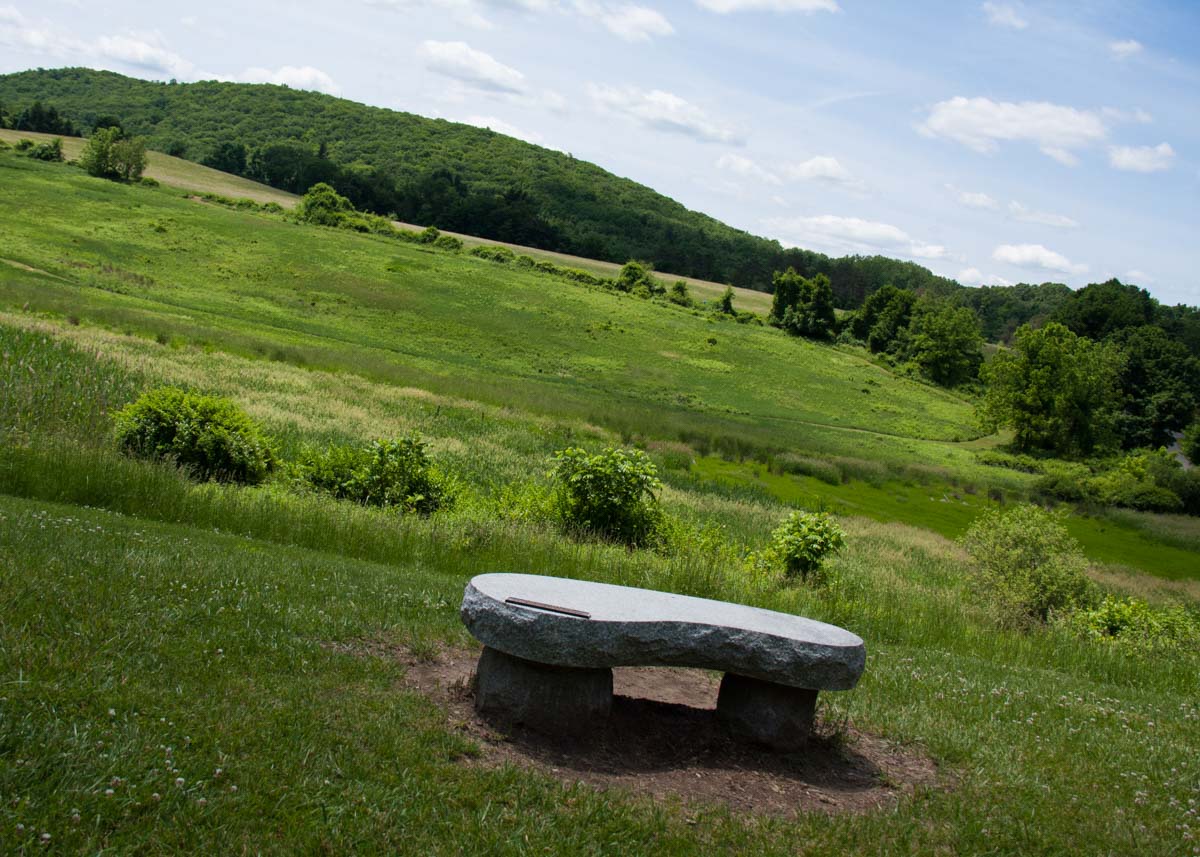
663, 741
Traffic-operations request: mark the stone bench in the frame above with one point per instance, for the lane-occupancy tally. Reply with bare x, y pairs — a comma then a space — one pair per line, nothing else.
550, 645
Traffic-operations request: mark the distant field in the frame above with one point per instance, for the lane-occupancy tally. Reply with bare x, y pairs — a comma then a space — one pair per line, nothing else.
192, 176
175, 172
449, 323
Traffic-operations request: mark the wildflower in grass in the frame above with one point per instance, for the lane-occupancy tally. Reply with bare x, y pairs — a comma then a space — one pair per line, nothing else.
179, 781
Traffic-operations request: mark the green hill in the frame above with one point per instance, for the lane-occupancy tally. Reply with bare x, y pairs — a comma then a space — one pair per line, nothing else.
431, 171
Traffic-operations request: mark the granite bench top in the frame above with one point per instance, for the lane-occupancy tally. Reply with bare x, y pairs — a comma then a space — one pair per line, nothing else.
577, 623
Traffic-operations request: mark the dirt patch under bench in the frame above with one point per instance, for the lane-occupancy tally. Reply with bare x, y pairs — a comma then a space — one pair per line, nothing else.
663, 740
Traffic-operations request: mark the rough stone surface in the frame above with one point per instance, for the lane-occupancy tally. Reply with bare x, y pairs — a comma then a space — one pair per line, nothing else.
641, 627
766, 713
562, 700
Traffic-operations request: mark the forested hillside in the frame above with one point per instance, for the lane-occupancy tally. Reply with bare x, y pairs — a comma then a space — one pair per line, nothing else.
431, 171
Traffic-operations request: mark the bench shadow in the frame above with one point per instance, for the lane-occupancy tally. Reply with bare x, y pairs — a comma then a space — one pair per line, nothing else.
647, 736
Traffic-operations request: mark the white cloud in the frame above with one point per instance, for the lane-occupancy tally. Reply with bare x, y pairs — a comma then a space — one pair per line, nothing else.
477, 69
724, 7
1142, 159
1125, 48
1044, 218
663, 111
1004, 15
297, 77
626, 21
851, 235
502, 127
1136, 276
1036, 256
975, 277
146, 51
743, 166
973, 199
981, 123
822, 168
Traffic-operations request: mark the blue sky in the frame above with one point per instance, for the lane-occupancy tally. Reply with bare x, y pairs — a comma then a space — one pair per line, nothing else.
992, 141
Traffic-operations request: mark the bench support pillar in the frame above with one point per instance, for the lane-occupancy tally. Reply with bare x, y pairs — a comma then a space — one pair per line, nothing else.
778, 716
562, 700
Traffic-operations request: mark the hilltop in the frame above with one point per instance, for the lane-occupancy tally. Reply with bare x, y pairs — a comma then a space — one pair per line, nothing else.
431, 171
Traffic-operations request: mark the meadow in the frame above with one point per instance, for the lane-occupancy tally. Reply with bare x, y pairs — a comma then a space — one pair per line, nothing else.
169, 677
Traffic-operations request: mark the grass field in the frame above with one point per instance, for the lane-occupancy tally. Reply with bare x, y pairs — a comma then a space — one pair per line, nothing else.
174, 673
192, 176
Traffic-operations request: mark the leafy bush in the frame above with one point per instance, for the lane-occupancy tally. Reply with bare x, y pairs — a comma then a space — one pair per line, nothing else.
1132, 623
48, 151
111, 155
609, 494
493, 253
24, 144
804, 540
448, 242
428, 235
386, 473
147, 181
635, 274
324, 206
1027, 563
210, 437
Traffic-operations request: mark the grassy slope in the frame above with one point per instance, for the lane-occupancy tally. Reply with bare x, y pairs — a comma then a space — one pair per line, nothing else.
187, 175
464, 328
175, 172
455, 325
189, 632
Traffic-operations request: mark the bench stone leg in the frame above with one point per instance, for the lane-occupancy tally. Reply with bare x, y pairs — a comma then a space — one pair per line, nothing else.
778, 716
562, 700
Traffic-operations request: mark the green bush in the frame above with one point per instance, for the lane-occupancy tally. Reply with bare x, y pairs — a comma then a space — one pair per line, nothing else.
210, 437
48, 151
1027, 564
493, 253
1190, 444
448, 242
610, 495
1132, 623
324, 206
395, 473
428, 235
803, 542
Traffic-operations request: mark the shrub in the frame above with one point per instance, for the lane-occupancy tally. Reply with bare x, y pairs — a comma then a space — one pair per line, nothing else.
1132, 623
109, 154
679, 294
324, 206
1027, 564
635, 275
804, 540
428, 235
48, 151
448, 242
610, 494
210, 437
493, 253
396, 473
24, 144
148, 182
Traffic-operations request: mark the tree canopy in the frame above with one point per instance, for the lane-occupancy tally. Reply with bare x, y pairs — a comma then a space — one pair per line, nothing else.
1057, 391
